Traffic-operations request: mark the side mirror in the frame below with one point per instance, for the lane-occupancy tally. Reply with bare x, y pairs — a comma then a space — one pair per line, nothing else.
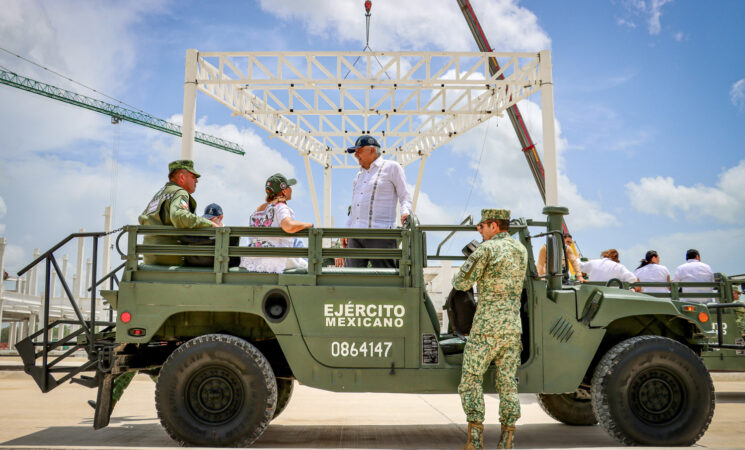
555, 255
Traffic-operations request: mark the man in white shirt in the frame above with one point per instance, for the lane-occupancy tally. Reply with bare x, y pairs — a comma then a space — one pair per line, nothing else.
694, 270
378, 187
607, 268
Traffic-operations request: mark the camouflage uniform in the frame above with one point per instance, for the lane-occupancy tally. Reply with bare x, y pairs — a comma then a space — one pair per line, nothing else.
740, 318
171, 205
498, 265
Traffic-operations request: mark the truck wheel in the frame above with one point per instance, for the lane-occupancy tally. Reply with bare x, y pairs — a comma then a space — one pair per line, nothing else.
284, 392
651, 390
216, 390
571, 409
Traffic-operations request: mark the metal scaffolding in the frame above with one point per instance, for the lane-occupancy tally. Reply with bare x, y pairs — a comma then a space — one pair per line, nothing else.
412, 102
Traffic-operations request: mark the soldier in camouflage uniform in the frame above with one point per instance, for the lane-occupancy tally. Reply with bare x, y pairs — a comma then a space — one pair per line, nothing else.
173, 205
498, 266
739, 312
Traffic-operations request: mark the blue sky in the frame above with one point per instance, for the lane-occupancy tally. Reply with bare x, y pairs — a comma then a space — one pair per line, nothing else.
649, 99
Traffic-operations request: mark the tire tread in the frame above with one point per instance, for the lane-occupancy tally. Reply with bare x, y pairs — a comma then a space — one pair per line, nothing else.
607, 365
259, 359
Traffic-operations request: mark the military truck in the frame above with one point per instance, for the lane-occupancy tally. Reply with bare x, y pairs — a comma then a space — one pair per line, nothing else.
227, 344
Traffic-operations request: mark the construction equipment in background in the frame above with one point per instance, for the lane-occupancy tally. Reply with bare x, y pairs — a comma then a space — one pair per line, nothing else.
117, 113
528, 146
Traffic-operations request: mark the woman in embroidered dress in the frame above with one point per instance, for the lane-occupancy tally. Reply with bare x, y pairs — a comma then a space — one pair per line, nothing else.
275, 213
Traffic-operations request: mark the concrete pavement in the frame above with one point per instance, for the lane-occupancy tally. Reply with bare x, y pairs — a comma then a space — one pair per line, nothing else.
317, 419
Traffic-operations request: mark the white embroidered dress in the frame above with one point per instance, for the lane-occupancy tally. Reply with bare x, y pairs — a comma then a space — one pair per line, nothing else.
272, 216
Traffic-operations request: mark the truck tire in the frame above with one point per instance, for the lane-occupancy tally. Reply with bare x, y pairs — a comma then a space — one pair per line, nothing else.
651, 390
284, 392
571, 409
216, 390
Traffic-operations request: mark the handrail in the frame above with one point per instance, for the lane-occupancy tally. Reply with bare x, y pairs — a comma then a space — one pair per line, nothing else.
315, 252
471, 227
109, 275
56, 247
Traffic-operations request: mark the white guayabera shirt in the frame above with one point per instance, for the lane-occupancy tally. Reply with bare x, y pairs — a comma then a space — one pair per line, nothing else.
375, 193
606, 269
654, 273
695, 270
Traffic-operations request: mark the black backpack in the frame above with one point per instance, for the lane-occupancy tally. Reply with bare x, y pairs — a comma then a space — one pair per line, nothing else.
461, 307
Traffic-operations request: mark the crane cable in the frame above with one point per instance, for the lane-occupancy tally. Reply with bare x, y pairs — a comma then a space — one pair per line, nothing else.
368, 7
115, 139
69, 79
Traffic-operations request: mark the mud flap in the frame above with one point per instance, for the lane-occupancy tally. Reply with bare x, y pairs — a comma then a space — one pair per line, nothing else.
104, 404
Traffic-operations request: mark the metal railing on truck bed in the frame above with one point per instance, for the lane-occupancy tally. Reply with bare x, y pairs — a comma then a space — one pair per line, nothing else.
409, 255
722, 292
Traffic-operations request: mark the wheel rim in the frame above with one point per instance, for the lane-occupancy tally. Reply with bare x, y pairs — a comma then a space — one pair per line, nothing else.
214, 394
657, 396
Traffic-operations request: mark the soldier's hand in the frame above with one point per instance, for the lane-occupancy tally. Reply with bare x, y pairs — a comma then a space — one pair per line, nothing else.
344, 242
339, 262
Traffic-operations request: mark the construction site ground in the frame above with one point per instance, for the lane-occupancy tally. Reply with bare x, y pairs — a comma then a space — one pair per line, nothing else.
315, 419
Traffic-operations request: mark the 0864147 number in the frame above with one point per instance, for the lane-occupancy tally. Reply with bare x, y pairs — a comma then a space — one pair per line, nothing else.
367, 349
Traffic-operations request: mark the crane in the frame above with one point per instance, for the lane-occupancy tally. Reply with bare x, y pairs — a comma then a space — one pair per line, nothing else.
528, 146
117, 113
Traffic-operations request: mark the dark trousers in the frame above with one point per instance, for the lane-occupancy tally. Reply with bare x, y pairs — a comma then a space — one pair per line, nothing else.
371, 243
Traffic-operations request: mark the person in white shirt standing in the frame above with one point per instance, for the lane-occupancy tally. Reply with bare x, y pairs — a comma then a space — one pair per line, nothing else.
607, 268
694, 270
651, 271
378, 187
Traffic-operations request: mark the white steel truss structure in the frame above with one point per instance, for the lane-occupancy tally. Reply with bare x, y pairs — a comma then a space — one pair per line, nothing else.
320, 102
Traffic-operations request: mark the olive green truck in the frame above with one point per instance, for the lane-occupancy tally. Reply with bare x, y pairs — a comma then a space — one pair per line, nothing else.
227, 344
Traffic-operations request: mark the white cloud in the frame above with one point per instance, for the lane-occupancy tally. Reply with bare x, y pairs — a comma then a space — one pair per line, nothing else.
14, 258
3, 211
92, 43
505, 179
75, 193
679, 36
737, 93
655, 12
395, 26
661, 196
649, 11
430, 212
722, 249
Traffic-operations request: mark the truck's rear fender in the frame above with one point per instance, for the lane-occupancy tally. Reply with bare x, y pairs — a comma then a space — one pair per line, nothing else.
184, 326
170, 311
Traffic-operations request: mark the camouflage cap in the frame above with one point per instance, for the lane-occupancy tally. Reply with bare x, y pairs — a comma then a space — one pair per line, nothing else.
183, 164
277, 182
494, 214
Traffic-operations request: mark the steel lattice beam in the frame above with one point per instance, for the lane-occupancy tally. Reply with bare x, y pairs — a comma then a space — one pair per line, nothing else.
413, 102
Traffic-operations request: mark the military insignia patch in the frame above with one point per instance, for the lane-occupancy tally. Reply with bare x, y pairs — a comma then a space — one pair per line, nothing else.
184, 204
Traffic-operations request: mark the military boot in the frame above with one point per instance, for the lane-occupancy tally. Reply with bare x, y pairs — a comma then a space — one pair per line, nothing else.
507, 437
475, 436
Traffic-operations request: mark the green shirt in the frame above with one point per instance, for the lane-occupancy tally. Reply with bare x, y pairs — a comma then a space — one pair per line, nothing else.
498, 266
172, 206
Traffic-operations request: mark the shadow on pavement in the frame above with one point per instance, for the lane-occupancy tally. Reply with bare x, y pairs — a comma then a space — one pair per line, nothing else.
440, 436
730, 397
